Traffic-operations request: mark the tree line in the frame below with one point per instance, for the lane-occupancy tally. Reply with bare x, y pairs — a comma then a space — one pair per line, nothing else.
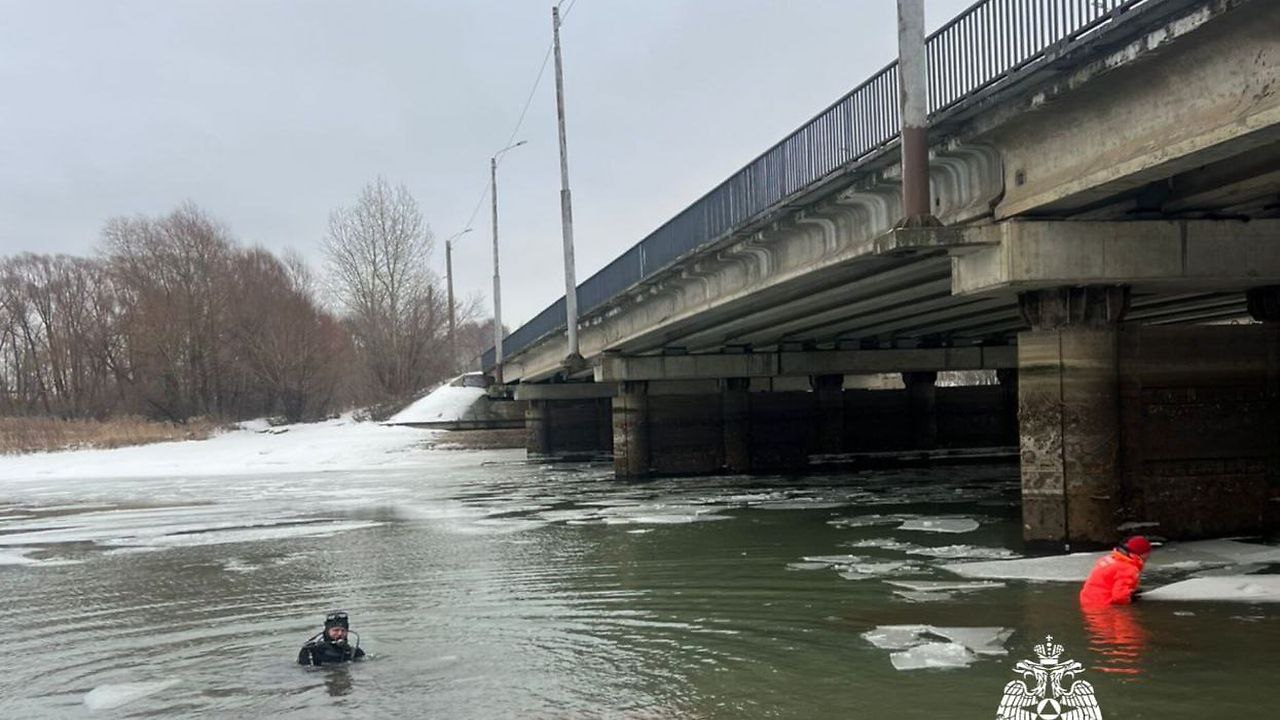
172, 318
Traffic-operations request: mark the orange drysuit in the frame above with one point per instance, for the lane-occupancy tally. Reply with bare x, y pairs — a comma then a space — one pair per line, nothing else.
1113, 580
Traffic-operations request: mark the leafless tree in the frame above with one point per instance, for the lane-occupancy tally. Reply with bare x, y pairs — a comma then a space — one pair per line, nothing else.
378, 253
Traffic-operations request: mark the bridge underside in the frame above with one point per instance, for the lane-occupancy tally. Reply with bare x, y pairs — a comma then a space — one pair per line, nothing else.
1110, 250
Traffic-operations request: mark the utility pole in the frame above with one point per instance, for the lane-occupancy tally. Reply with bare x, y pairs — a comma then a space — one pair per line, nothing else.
497, 282
573, 360
453, 323
913, 78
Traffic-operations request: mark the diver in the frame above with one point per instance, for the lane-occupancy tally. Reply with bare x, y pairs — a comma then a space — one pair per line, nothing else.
1114, 580
330, 646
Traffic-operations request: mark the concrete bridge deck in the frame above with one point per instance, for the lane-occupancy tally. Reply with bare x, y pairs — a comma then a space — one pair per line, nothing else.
1107, 177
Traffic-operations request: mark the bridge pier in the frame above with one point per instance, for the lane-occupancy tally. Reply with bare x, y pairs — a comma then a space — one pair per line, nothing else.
828, 393
1069, 413
922, 407
1177, 426
735, 412
567, 420
631, 459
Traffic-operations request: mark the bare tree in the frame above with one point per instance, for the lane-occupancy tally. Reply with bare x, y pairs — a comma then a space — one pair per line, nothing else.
378, 252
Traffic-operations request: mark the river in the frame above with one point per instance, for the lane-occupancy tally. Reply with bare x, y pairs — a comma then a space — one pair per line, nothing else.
484, 586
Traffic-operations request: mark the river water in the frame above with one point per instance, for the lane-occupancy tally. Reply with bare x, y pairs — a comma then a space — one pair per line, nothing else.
484, 586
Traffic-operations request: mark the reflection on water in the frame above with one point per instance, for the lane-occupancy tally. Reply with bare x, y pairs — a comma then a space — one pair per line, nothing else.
485, 587
1116, 637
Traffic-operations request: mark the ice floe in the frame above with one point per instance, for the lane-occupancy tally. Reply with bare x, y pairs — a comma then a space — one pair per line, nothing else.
870, 520
964, 551
866, 570
937, 655
919, 647
1224, 588
1076, 566
940, 525
943, 585
946, 551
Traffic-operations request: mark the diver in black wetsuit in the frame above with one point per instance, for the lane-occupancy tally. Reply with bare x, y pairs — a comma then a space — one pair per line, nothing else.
330, 646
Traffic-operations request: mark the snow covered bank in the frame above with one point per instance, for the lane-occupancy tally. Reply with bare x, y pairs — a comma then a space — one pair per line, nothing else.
445, 404
341, 444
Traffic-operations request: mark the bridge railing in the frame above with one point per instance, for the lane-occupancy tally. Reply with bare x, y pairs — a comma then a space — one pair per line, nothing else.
978, 49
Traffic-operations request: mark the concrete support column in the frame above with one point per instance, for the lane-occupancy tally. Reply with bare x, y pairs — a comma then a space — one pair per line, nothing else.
604, 425
922, 397
1264, 303
537, 428
829, 392
1008, 379
735, 408
631, 430
1069, 414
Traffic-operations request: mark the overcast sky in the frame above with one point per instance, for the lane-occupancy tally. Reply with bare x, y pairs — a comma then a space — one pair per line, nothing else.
269, 113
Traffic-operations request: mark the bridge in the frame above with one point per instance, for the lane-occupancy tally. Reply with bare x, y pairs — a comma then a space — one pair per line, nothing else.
1104, 186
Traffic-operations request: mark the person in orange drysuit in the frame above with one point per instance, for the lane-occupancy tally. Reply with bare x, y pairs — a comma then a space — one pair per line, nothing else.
1114, 579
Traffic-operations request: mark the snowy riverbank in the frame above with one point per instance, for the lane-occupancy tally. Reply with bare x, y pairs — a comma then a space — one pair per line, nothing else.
254, 447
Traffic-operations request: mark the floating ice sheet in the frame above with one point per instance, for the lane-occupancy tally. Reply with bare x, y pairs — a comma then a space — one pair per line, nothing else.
834, 559
864, 571
923, 646
951, 552
940, 525
1224, 588
870, 520
1075, 567
917, 596
808, 566
943, 585
937, 655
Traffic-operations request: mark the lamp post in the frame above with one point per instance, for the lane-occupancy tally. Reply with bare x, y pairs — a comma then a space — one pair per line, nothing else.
497, 283
913, 76
448, 273
573, 360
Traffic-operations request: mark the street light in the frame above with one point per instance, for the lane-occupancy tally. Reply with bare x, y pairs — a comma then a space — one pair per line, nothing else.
448, 273
497, 283
573, 359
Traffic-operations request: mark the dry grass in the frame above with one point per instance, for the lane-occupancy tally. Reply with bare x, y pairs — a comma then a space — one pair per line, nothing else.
25, 435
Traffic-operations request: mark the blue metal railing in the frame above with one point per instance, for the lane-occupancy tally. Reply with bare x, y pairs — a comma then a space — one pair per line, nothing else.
978, 49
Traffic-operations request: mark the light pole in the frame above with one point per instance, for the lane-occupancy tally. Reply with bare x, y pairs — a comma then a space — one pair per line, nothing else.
573, 360
448, 273
497, 283
913, 77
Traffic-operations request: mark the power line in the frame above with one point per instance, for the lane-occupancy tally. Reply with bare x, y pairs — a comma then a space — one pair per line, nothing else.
533, 91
